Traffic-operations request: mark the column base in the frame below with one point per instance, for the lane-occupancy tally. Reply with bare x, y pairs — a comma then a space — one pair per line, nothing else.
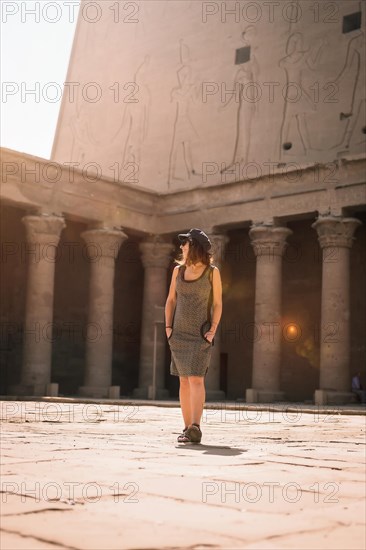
332, 397
22, 389
36, 390
160, 393
263, 396
144, 393
114, 392
109, 392
215, 395
52, 390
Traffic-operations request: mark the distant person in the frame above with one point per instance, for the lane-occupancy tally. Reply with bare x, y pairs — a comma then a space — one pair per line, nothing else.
192, 312
357, 388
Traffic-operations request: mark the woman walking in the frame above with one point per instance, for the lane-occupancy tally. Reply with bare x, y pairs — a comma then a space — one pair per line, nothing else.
192, 313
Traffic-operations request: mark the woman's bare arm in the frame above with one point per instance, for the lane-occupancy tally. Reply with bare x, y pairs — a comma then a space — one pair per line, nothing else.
171, 301
216, 303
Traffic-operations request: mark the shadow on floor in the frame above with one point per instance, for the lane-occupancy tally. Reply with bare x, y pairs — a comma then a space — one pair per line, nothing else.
212, 449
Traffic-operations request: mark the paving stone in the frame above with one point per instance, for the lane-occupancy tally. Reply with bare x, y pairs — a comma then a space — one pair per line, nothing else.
106, 476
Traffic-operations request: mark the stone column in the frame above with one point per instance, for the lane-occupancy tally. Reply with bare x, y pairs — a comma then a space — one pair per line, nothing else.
102, 250
212, 382
335, 238
269, 244
156, 258
43, 235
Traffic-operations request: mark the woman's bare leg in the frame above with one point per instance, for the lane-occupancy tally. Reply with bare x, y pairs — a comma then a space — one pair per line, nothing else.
185, 400
198, 396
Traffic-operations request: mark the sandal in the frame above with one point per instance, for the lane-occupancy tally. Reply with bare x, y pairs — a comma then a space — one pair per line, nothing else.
193, 433
182, 438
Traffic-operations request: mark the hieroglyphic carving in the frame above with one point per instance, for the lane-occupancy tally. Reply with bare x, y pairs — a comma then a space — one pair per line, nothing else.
350, 84
295, 109
180, 158
135, 120
245, 77
83, 138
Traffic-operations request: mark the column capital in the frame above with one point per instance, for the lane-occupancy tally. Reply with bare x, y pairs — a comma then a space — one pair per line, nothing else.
336, 230
156, 253
269, 240
43, 229
103, 242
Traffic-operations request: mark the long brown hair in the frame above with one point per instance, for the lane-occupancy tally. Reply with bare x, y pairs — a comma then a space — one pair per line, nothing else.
196, 253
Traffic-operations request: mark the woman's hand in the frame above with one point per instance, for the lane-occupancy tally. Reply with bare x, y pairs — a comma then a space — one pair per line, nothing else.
210, 335
168, 332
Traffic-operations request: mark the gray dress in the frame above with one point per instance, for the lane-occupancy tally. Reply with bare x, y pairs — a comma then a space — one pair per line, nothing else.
190, 351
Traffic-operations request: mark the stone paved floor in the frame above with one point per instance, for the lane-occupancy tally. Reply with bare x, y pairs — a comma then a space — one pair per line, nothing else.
107, 476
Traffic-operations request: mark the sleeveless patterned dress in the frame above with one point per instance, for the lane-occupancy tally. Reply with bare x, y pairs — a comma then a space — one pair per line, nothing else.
190, 351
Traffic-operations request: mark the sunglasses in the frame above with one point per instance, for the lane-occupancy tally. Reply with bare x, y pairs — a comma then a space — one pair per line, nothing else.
185, 241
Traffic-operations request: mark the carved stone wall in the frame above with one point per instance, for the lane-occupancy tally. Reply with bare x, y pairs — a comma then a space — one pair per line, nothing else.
214, 91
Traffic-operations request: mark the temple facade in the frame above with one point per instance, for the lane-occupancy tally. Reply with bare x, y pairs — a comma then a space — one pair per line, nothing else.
245, 119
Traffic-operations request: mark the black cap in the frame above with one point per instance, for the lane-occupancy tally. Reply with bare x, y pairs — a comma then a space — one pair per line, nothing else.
199, 235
